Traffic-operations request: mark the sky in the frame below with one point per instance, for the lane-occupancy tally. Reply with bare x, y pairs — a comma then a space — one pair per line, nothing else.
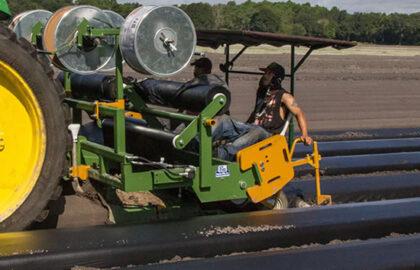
386, 6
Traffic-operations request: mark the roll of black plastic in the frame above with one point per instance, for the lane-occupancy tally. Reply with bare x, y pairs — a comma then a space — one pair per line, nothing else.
92, 87
192, 96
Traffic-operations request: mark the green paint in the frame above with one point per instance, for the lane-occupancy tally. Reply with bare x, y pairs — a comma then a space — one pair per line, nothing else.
213, 179
4, 10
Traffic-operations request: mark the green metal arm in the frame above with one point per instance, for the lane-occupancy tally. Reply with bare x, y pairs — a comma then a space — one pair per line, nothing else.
182, 139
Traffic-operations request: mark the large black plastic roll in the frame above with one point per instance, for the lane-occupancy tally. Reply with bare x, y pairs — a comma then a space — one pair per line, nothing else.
92, 87
192, 96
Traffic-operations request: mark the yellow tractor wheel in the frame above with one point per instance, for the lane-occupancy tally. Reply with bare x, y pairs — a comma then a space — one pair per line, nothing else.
33, 135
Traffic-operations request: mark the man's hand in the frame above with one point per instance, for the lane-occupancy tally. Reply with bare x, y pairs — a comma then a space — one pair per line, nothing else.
306, 139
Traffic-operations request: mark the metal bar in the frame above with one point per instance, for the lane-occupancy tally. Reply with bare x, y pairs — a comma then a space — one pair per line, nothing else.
206, 152
67, 81
250, 72
238, 54
246, 72
119, 118
106, 178
140, 105
181, 140
170, 115
206, 236
119, 72
90, 107
292, 91
376, 254
102, 150
227, 54
302, 60
100, 32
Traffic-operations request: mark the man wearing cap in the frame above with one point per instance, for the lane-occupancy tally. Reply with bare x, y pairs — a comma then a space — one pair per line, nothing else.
202, 74
273, 102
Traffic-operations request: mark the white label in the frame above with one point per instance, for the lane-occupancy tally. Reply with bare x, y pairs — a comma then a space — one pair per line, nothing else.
222, 171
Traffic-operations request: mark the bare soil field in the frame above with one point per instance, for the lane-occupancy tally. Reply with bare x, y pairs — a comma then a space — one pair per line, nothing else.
366, 87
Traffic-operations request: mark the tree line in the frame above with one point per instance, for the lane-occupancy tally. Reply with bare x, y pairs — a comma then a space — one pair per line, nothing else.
277, 17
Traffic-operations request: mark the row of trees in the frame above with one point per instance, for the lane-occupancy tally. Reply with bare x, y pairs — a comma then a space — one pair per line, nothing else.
17, 6
282, 17
304, 19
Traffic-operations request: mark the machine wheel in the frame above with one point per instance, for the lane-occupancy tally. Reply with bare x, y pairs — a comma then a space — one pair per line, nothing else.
277, 202
33, 135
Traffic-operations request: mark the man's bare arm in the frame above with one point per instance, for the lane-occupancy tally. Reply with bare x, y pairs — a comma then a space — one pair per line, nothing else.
294, 108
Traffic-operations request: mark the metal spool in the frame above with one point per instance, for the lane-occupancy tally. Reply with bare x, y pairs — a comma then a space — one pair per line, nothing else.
117, 22
158, 40
116, 19
60, 37
23, 23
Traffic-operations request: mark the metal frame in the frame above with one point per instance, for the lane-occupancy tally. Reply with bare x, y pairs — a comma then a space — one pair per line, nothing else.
99, 162
227, 68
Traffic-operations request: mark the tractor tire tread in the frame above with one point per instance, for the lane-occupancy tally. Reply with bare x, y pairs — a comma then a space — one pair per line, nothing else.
49, 189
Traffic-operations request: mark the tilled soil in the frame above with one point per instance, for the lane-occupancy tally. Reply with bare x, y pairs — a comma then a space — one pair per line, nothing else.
336, 92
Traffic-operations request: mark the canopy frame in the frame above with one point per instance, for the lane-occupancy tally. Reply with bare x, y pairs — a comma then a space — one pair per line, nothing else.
226, 38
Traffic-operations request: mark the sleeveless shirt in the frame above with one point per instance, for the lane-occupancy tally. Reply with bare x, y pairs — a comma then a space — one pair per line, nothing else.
268, 116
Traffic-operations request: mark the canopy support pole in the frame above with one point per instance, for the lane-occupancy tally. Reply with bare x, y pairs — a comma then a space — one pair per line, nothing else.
292, 91
226, 65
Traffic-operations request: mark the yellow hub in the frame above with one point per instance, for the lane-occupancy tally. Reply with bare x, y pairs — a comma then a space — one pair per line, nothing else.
22, 140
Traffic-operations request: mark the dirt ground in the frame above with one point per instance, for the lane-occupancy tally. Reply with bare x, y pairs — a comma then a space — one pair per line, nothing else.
339, 91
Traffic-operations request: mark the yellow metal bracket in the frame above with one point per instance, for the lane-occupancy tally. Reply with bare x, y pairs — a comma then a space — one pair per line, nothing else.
134, 115
273, 163
313, 160
119, 104
81, 172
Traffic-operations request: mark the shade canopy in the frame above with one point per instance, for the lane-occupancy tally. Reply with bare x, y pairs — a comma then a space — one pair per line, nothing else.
216, 38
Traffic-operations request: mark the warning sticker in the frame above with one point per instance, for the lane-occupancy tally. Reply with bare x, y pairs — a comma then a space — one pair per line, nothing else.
222, 171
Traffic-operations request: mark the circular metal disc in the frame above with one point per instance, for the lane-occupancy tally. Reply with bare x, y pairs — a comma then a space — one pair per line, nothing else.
158, 40
116, 19
23, 23
117, 22
60, 36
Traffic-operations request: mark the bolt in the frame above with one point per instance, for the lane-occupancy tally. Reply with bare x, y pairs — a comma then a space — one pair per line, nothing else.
262, 165
242, 185
181, 142
222, 101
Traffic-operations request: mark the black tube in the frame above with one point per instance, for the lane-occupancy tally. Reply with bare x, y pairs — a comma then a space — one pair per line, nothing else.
365, 164
376, 254
362, 147
206, 236
141, 140
361, 188
193, 96
366, 134
92, 87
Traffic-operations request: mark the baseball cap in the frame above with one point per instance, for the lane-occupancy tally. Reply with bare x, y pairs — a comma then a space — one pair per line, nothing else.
203, 62
276, 68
